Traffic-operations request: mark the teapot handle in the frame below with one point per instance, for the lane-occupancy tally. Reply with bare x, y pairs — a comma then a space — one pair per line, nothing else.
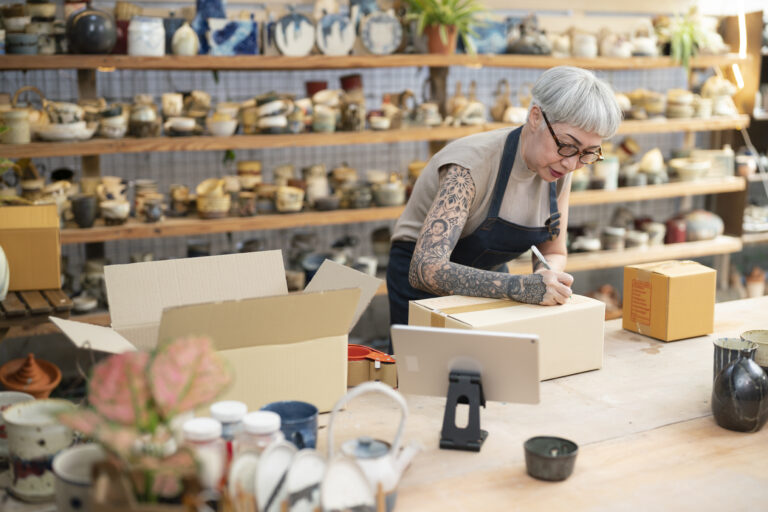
369, 387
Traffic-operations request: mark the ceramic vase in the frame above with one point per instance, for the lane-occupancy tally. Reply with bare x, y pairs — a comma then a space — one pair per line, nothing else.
207, 9
91, 31
740, 396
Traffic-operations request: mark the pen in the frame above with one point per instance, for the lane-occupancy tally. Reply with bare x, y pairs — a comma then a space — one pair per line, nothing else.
541, 257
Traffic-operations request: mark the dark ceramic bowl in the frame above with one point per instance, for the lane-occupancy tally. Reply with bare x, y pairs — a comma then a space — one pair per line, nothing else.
550, 458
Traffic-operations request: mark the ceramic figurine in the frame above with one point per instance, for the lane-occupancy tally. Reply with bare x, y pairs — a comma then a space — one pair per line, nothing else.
531, 41
457, 102
185, 41
381, 32
205, 10
233, 37
295, 35
336, 33
503, 101
353, 112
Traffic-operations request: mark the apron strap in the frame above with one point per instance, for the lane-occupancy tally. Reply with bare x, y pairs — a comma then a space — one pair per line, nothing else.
553, 222
505, 169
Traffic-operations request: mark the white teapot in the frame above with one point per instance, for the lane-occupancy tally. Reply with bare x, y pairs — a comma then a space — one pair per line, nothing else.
382, 463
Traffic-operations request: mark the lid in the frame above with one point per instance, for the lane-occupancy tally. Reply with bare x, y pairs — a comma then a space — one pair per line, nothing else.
229, 411
36, 377
365, 447
202, 429
261, 422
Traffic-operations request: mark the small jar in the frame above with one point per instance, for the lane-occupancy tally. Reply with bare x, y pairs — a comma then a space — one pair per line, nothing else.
613, 238
146, 36
203, 435
260, 429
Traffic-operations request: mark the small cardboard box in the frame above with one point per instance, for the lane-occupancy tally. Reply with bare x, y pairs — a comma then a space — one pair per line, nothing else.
669, 300
571, 335
280, 346
29, 236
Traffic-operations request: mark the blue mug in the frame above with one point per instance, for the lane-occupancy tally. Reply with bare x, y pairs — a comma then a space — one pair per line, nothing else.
298, 421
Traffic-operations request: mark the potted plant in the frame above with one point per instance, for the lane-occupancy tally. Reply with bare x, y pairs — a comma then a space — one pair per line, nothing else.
683, 35
133, 398
443, 21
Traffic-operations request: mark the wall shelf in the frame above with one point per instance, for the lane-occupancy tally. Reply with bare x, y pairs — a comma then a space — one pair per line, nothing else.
312, 62
99, 146
754, 238
134, 229
610, 259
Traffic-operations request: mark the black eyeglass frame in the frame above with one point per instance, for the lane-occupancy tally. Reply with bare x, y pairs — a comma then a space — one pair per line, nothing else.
576, 151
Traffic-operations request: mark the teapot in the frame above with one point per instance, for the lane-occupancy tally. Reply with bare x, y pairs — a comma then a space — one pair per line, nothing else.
382, 463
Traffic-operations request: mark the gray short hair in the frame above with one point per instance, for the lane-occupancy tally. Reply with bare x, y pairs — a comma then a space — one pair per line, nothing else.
576, 97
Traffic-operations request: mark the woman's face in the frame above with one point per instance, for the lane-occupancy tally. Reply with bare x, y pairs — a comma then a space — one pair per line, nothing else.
540, 153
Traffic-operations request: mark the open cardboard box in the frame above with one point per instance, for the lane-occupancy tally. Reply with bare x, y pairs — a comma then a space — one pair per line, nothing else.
280, 346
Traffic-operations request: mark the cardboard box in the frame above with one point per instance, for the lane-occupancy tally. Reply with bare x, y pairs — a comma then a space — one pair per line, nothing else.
570, 335
281, 346
29, 236
669, 300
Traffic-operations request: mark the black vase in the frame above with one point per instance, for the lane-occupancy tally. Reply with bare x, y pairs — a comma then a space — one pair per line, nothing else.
740, 396
91, 31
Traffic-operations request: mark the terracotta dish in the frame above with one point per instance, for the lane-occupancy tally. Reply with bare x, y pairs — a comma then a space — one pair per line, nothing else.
34, 376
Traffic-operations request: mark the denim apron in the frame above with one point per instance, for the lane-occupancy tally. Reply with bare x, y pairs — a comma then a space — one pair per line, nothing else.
489, 247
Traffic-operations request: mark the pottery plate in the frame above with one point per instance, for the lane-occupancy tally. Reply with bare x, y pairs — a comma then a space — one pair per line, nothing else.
335, 34
381, 33
271, 475
294, 35
303, 481
242, 474
346, 487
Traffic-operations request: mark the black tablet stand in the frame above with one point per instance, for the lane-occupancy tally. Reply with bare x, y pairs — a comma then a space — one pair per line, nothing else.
464, 387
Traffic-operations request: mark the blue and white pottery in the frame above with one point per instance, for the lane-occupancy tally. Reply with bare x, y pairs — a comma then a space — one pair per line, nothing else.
207, 9
233, 37
295, 35
491, 37
335, 34
381, 33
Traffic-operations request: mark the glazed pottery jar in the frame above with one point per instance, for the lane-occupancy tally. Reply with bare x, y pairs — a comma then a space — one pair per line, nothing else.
7, 399
146, 36
185, 41
34, 437
91, 31
17, 121
84, 208
740, 396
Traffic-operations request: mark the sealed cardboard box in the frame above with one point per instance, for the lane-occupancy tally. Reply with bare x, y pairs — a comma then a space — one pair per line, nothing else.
29, 236
669, 300
571, 335
281, 346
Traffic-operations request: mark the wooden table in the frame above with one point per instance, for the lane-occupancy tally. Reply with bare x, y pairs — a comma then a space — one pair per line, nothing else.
647, 439
30, 308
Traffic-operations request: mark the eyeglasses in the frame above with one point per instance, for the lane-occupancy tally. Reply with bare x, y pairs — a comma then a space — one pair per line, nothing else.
568, 150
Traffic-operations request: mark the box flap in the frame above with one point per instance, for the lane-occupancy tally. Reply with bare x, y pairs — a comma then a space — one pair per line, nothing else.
264, 321
502, 310
138, 292
454, 301
29, 217
96, 337
333, 276
673, 268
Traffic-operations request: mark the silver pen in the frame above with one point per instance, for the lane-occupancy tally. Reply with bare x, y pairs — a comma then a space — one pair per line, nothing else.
541, 257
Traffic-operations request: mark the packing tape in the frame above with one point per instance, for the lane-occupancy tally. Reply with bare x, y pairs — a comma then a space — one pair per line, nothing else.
437, 318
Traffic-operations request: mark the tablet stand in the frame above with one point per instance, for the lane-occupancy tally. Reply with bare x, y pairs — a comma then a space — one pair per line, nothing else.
464, 387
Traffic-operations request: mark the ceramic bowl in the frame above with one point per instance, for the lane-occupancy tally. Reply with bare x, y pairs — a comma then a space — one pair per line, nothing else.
72, 468
550, 458
16, 23
289, 199
43, 10
690, 169
211, 187
379, 122
115, 209
112, 131
213, 207
84, 303
249, 181
327, 203
182, 124
221, 128
71, 131
389, 194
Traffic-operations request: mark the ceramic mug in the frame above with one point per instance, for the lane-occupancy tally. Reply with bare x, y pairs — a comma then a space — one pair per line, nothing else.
72, 468
298, 421
84, 208
7, 399
728, 350
34, 437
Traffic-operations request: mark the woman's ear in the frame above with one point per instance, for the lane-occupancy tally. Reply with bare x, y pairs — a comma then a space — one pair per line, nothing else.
534, 117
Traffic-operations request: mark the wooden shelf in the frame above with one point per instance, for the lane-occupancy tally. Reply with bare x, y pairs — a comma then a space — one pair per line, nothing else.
134, 229
610, 259
758, 177
675, 189
191, 226
754, 238
264, 62
99, 146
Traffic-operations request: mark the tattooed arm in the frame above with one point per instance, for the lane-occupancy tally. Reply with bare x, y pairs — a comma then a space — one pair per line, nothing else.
431, 269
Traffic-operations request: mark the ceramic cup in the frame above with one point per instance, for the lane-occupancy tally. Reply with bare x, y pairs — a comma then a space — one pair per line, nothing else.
7, 399
759, 337
728, 350
298, 421
72, 468
34, 438
84, 208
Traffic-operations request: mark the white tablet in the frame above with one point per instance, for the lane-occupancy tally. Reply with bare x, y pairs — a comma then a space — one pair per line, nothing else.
508, 362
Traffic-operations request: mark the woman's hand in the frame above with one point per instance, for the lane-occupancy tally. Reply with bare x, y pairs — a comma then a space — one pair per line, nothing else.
557, 286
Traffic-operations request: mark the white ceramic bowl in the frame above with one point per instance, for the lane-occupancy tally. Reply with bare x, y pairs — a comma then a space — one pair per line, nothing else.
180, 123
221, 128
16, 23
690, 169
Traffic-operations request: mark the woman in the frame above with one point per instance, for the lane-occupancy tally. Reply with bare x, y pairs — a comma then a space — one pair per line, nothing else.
485, 199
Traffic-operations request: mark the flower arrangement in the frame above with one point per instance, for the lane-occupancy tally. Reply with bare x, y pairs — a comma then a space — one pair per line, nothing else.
133, 398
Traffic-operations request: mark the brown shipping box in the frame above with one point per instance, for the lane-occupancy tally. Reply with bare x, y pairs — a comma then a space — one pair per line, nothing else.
669, 300
29, 236
570, 335
280, 346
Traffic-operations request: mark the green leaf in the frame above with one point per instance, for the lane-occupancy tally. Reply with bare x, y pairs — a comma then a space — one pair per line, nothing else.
443, 34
